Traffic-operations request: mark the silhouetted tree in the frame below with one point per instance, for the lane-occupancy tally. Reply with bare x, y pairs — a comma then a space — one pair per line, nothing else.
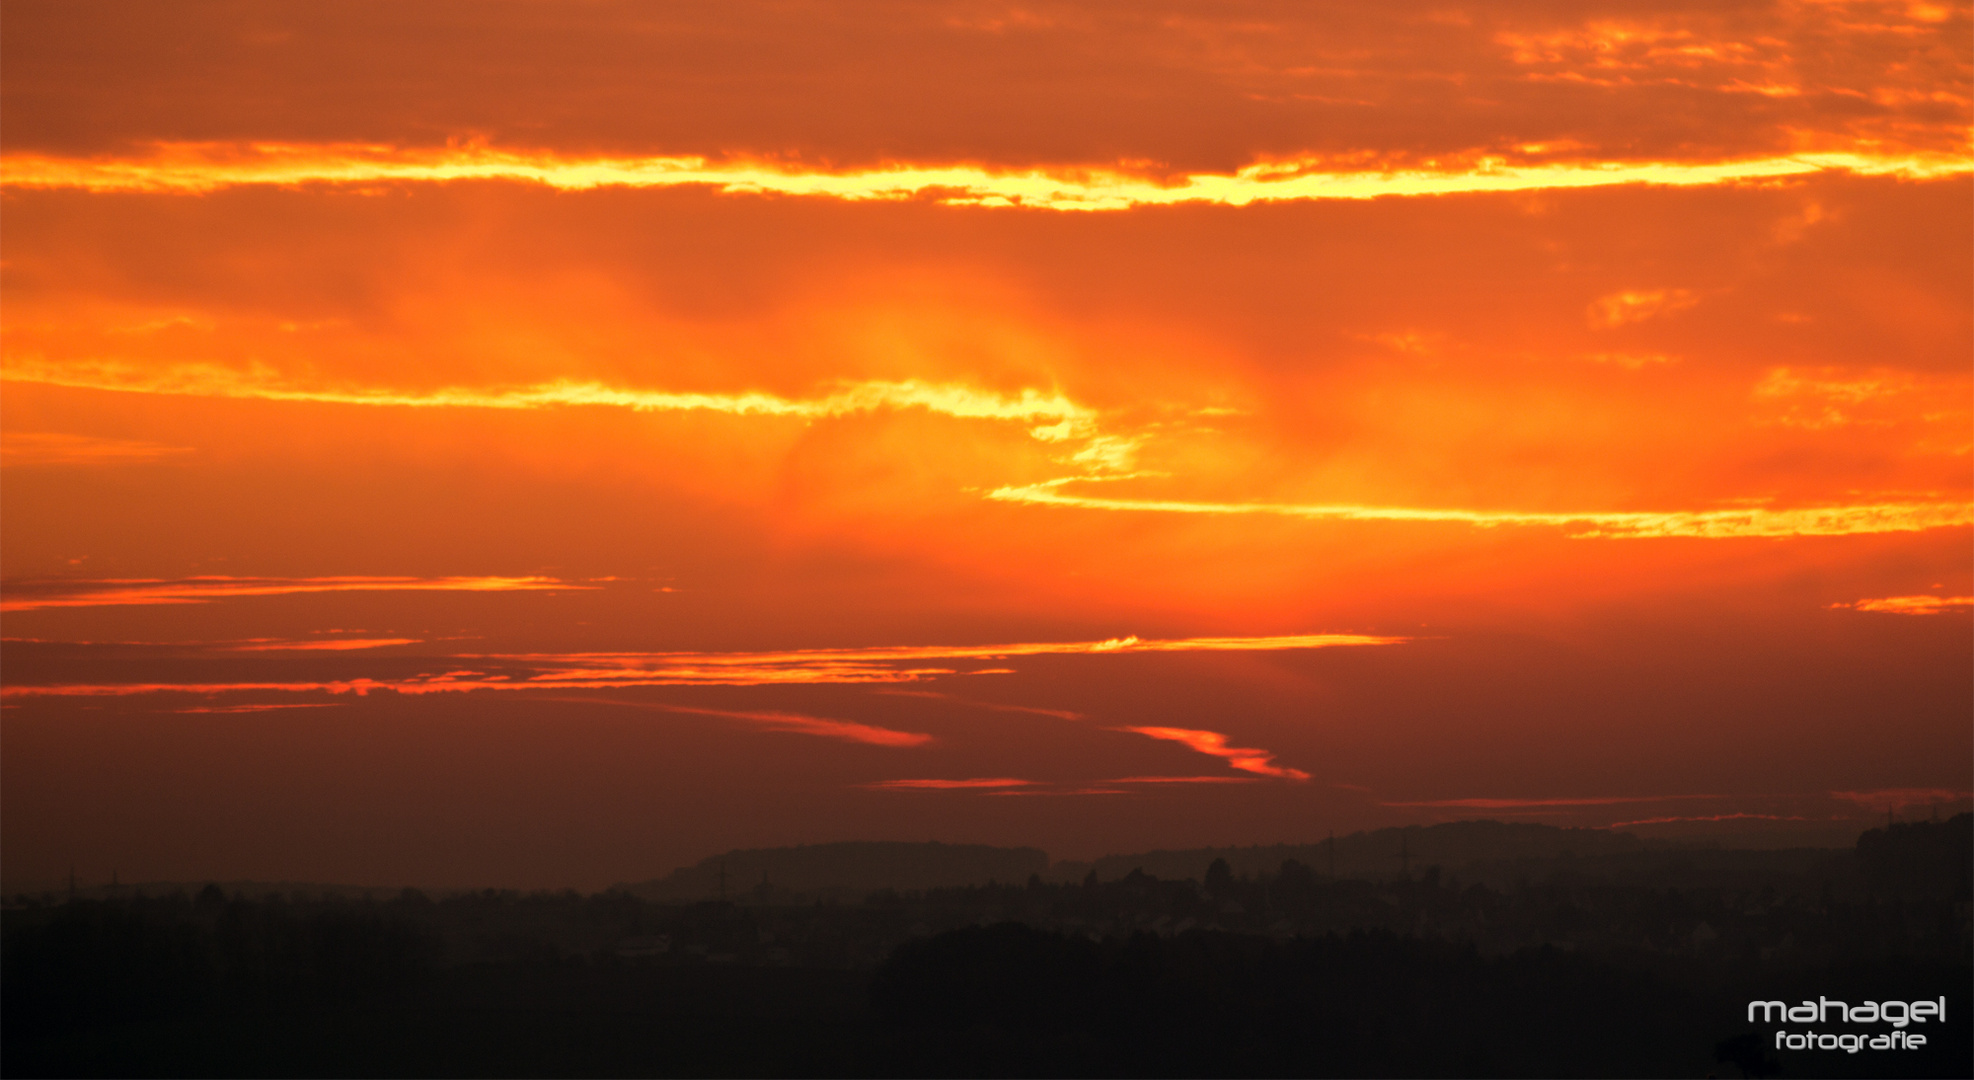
1295, 877
1219, 878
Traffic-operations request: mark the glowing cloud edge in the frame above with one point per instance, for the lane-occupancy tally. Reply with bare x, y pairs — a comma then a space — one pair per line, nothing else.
197, 168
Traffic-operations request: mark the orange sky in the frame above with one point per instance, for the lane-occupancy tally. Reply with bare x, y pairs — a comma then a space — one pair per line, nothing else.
532, 444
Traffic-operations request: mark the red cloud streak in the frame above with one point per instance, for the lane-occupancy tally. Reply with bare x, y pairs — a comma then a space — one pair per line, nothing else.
1259, 762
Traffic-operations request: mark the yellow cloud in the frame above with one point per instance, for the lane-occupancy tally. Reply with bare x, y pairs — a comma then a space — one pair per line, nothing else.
1738, 522
193, 168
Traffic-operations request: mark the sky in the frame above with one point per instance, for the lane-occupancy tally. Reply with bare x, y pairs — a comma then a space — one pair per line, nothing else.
539, 445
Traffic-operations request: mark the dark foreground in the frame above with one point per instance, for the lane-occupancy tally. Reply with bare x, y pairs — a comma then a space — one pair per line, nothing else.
1004, 1000
1291, 974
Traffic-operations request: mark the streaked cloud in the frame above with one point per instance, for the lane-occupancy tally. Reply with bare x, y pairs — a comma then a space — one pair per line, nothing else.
1042, 791
1512, 804
1184, 780
882, 663
29, 448
323, 645
980, 783
1911, 605
1214, 744
934, 695
29, 594
1709, 818
1006, 785
1883, 799
614, 671
227, 710
1883, 517
800, 724
359, 687
197, 168
210, 380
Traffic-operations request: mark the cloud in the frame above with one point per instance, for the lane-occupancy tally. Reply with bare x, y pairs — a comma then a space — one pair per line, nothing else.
1259, 762
1631, 361
327, 645
1709, 817
609, 671
885, 662
199, 168
209, 380
1060, 714
47, 448
1832, 396
1911, 605
1509, 804
949, 785
1184, 780
1884, 799
1886, 517
1033, 791
29, 594
231, 709
1012, 786
1633, 306
799, 724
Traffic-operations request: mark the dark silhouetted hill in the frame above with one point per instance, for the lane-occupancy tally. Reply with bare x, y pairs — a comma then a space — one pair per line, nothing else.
1378, 855
853, 868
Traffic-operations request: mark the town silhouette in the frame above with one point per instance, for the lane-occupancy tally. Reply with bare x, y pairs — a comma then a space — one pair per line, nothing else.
1466, 949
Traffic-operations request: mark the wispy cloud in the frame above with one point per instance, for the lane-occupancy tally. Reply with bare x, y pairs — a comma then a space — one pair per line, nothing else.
800, 724
1709, 818
1042, 791
195, 168
1831, 397
1911, 605
1184, 780
322, 645
1212, 743
1510, 804
885, 663
229, 709
1013, 786
611, 671
1052, 417
934, 695
1883, 799
30, 448
28, 594
847, 398
949, 785
1716, 524
1638, 305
